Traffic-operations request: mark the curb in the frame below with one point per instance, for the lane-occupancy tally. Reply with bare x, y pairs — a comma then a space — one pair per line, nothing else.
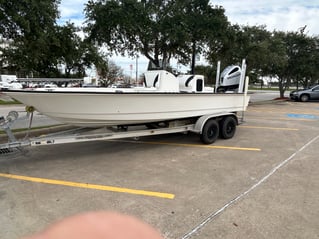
268, 102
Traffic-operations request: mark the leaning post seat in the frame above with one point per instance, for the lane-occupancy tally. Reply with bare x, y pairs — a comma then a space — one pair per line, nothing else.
161, 80
191, 83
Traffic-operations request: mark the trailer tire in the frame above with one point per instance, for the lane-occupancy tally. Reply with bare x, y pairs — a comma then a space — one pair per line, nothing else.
210, 132
228, 127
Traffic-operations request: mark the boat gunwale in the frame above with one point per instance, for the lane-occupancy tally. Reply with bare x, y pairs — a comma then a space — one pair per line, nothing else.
120, 93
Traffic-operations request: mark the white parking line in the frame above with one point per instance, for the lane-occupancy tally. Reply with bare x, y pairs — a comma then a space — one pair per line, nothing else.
213, 215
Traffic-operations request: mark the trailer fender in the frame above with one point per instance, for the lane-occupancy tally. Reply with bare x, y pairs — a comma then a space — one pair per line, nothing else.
201, 121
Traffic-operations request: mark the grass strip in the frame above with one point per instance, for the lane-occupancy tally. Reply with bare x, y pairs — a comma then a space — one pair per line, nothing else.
11, 102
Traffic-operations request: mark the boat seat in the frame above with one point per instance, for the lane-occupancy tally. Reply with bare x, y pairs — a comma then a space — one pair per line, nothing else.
162, 80
191, 83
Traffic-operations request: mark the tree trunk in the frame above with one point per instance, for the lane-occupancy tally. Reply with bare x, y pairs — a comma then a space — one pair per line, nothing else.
193, 57
281, 89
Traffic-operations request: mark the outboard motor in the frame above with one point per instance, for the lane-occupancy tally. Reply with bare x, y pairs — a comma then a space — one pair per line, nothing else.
229, 79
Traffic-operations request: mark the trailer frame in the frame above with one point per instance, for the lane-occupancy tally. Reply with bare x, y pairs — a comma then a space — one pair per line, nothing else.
79, 134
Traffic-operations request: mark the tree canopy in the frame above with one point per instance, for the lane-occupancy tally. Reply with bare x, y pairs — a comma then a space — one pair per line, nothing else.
157, 29
291, 57
28, 25
33, 44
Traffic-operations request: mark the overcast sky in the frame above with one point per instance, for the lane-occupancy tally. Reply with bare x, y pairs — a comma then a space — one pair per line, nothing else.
283, 15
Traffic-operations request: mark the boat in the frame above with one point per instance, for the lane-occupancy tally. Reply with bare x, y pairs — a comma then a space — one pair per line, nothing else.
164, 97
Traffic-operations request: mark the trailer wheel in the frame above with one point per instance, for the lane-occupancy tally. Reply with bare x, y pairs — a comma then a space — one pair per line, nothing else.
228, 127
210, 132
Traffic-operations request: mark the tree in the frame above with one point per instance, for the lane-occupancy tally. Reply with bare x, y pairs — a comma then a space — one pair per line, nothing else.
38, 47
157, 29
28, 25
303, 57
76, 54
245, 42
280, 67
226, 49
69, 49
26, 17
290, 57
295, 58
202, 24
112, 74
208, 72
266, 53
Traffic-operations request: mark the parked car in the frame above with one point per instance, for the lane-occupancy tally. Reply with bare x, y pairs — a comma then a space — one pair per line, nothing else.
305, 95
10, 85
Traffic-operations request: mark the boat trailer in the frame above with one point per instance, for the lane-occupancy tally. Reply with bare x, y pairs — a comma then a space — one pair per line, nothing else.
209, 127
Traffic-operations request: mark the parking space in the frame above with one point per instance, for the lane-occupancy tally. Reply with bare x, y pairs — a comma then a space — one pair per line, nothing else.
262, 183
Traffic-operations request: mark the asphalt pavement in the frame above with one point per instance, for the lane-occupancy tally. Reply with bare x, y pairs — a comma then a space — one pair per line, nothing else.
262, 183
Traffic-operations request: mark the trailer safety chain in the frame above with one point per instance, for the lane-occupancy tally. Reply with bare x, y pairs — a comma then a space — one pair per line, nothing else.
30, 110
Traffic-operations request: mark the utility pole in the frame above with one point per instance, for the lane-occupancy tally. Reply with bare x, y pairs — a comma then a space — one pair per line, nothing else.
136, 79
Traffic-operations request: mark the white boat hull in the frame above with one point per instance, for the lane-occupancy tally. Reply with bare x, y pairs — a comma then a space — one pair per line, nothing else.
95, 109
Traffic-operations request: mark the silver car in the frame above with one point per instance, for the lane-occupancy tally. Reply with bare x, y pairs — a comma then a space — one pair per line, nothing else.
305, 95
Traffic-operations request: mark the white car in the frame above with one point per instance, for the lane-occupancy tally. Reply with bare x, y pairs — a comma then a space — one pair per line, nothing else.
10, 85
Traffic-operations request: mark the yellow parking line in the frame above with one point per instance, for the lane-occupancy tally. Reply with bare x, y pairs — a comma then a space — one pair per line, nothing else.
263, 127
89, 186
192, 145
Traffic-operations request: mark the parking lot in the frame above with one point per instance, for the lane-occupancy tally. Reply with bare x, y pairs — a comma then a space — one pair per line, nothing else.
263, 183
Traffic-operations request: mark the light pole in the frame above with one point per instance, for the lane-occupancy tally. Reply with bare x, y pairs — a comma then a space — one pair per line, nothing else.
136, 79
